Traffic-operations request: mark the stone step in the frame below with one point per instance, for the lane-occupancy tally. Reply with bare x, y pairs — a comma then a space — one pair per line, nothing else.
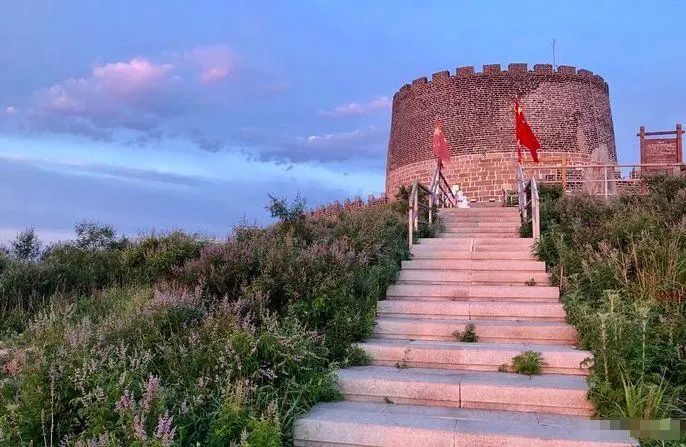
458, 224
559, 359
459, 228
472, 310
468, 231
474, 264
482, 221
550, 393
431, 253
503, 218
367, 424
468, 292
479, 211
487, 331
479, 234
472, 277
478, 242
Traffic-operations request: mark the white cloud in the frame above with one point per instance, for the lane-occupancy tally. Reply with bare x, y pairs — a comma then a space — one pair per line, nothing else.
138, 95
10, 110
357, 109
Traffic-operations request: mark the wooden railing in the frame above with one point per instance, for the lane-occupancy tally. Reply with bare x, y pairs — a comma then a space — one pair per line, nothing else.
428, 199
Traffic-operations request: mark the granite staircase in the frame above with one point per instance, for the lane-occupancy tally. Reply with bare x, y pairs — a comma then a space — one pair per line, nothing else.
425, 387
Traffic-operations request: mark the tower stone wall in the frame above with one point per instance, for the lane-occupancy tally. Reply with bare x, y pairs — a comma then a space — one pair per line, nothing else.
568, 110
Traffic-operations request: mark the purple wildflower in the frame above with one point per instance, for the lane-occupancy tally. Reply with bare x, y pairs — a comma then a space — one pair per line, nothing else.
165, 430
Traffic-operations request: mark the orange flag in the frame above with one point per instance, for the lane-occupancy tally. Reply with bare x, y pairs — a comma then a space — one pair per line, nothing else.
441, 148
525, 135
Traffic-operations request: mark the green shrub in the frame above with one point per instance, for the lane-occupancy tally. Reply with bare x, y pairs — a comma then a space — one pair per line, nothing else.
173, 340
154, 258
622, 269
528, 362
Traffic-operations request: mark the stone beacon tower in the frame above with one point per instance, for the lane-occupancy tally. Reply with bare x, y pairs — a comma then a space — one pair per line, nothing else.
568, 110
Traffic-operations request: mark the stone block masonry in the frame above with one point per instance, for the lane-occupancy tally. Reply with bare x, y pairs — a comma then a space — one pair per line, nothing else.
568, 109
481, 176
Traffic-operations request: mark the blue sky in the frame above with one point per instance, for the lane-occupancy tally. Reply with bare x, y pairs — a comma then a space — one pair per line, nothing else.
176, 114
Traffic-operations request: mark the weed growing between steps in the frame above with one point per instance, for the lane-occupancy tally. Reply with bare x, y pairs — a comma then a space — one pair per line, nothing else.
528, 362
622, 270
172, 340
468, 335
402, 364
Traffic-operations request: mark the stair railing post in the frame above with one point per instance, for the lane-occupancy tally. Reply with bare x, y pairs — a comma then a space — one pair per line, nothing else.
410, 220
431, 207
535, 211
416, 208
521, 192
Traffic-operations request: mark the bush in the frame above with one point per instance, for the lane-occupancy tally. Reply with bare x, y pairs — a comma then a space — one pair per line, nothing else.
622, 269
155, 258
170, 340
96, 260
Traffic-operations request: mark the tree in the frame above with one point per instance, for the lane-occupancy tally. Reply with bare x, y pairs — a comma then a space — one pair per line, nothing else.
26, 246
95, 236
285, 212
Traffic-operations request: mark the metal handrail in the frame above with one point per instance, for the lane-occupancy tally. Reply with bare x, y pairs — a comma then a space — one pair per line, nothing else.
413, 209
602, 179
526, 189
438, 194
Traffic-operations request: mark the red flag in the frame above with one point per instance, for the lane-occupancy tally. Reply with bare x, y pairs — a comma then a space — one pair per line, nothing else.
441, 147
525, 136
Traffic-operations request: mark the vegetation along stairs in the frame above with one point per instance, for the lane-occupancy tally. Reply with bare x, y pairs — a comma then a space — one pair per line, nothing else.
436, 380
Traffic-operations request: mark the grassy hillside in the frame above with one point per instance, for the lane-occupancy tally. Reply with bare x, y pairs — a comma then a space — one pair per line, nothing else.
622, 269
175, 340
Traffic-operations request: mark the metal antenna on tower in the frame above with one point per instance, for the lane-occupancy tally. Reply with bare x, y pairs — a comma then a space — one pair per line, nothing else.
554, 43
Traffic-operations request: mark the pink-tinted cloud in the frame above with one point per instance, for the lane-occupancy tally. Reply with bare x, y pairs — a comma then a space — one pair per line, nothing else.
138, 95
143, 101
211, 63
108, 91
357, 109
127, 78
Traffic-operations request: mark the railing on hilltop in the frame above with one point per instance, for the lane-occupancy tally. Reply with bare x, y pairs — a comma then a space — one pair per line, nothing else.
601, 180
437, 195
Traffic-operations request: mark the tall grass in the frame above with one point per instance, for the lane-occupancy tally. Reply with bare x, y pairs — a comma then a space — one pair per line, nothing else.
173, 340
622, 269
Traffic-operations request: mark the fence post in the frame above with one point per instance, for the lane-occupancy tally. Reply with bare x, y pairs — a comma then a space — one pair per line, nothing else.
679, 140
605, 182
